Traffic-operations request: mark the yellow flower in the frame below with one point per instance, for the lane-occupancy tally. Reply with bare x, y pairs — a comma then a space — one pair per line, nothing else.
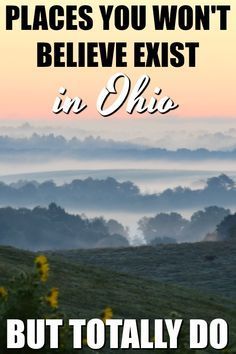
40, 260
52, 298
43, 267
3, 293
107, 314
43, 272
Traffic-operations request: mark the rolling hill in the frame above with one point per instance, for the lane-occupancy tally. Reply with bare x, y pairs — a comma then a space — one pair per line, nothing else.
204, 266
85, 289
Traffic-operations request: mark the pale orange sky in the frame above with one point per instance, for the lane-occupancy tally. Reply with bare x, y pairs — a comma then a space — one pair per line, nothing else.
28, 92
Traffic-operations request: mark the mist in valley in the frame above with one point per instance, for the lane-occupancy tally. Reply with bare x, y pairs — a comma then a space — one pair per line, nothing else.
158, 169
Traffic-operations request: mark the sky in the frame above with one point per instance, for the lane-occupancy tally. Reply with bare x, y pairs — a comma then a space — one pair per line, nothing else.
28, 92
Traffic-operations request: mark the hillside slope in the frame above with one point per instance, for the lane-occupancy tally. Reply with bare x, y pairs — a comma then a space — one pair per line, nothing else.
205, 266
85, 291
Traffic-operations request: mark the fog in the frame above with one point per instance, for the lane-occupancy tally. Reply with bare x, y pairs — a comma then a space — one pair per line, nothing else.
170, 133
148, 174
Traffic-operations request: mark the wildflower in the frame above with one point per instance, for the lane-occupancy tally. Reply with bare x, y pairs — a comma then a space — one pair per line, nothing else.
85, 342
43, 267
52, 298
3, 293
40, 260
43, 272
107, 314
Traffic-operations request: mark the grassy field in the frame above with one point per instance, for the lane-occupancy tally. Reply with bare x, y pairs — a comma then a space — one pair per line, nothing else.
86, 290
206, 267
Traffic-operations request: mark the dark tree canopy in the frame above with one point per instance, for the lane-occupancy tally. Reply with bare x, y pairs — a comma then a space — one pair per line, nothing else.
53, 228
162, 226
203, 222
171, 226
110, 194
226, 230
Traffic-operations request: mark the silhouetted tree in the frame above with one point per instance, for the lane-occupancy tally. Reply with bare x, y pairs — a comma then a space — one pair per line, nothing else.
162, 226
204, 222
226, 230
53, 228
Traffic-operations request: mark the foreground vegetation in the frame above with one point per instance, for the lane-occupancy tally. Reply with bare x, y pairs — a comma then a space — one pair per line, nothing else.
84, 291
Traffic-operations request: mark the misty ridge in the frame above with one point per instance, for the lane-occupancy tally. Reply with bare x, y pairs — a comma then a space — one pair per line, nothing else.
52, 228
109, 194
156, 203
38, 147
166, 228
170, 134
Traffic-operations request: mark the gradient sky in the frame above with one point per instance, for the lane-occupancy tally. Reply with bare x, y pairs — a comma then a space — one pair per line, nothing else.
28, 92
